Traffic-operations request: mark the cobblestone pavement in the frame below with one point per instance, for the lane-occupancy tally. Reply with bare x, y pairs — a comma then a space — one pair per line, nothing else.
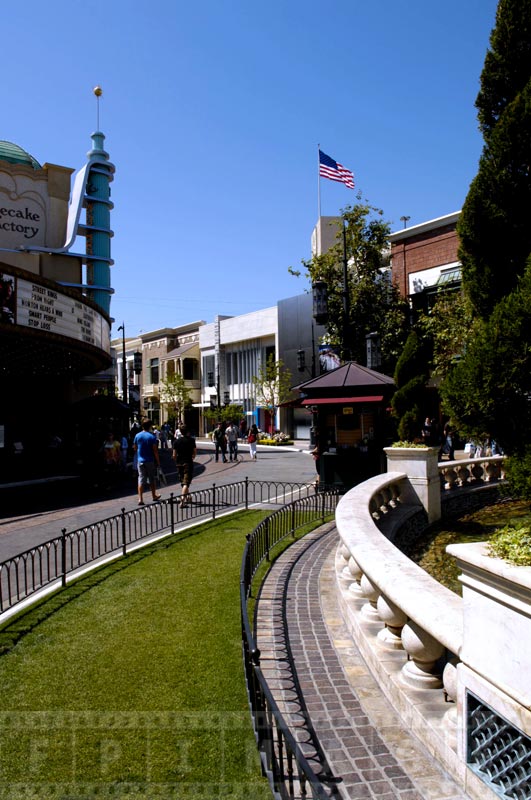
333, 704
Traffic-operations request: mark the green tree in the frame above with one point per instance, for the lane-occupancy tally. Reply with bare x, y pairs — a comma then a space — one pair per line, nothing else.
374, 302
175, 394
449, 326
489, 389
494, 229
272, 384
229, 413
411, 376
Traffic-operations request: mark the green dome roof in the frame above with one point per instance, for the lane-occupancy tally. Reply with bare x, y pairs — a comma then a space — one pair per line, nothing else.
16, 155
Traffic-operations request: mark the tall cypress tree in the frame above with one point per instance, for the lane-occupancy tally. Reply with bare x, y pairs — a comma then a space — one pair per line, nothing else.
494, 228
489, 390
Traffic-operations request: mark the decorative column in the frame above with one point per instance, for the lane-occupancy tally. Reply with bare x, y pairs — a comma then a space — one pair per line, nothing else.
98, 230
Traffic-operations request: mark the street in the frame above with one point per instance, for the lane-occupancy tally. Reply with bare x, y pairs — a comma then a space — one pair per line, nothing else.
42, 519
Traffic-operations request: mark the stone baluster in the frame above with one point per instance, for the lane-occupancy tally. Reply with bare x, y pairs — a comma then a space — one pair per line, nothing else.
373, 508
387, 497
380, 502
356, 574
450, 478
371, 593
449, 678
477, 471
395, 495
394, 619
423, 650
493, 471
464, 474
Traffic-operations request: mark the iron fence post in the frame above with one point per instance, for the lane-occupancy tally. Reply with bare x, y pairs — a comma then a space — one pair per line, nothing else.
246, 493
293, 520
124, 544
323, 507
63, 557
172, 515
213, 501
267, 538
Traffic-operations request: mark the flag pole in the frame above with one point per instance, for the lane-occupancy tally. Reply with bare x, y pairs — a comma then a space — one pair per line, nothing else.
318, 186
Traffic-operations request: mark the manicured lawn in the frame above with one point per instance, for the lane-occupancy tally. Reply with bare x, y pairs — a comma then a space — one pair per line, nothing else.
129, 683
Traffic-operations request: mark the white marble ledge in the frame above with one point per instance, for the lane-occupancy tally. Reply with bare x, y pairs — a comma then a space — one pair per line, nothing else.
474, 556
436, 609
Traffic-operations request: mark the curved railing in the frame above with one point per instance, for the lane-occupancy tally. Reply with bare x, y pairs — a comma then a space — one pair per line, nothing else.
407, 625
283, 762
49, 564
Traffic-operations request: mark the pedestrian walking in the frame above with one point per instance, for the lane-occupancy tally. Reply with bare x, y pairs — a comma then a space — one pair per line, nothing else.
232, 438
220, 442
146, 447
184, 453
252, 439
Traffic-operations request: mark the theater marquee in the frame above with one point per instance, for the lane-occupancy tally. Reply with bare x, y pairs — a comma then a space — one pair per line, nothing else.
41, 308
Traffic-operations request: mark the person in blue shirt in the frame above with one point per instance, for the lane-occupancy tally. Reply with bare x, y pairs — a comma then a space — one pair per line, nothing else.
146, 447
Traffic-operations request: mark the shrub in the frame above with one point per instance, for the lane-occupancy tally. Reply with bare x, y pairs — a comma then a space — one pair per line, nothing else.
513, 544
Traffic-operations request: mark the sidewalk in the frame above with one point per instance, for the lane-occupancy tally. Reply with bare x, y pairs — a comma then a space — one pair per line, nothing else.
332, 704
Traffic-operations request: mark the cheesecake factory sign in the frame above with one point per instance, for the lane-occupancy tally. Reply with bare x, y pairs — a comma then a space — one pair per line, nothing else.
38, 307
23, 208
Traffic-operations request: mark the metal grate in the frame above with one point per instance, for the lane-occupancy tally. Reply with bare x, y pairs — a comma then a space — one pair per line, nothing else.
497, 752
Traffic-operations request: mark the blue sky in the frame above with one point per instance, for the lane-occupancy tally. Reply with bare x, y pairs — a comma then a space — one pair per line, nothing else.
212, 114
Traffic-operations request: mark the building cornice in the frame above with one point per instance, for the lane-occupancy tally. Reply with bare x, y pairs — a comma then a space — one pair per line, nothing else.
425, 227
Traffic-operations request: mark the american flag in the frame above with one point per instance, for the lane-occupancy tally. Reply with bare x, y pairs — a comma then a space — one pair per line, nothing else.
328, 168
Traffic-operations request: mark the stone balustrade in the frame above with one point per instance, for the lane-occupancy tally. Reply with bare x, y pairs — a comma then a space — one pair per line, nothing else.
471, 472
408, 627
398, 604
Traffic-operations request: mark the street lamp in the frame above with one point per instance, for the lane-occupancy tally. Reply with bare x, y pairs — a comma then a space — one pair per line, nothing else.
124, 365
405, 220
320, 301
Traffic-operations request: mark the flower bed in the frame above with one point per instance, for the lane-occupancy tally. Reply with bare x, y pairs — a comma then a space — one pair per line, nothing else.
275, 440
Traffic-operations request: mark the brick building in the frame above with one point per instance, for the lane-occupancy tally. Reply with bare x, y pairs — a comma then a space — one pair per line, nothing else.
424, 258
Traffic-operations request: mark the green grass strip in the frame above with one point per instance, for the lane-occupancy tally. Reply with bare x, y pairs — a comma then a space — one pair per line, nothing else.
129, 682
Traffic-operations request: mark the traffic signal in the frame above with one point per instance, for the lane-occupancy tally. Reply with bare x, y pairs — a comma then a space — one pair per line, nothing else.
301, 360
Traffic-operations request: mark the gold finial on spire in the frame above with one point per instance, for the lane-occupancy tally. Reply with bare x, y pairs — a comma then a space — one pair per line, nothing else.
98, 91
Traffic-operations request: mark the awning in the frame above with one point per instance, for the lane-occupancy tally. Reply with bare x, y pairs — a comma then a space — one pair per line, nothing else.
316, 401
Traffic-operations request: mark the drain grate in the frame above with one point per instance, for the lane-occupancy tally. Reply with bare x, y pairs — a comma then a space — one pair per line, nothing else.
497, 752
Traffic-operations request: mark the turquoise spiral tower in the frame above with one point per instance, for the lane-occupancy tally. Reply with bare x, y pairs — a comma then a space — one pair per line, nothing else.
97, 228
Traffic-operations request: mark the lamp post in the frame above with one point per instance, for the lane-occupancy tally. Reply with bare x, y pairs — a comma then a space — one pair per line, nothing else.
320, 301
124, 365
405, 220
346, 299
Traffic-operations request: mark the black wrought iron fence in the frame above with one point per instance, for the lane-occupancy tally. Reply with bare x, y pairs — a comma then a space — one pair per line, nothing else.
283, 762
53, 561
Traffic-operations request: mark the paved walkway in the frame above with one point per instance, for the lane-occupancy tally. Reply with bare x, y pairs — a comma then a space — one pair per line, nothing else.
335, 708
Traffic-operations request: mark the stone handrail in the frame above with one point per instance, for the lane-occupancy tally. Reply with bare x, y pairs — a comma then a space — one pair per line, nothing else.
407, 626
421, 599
471, 471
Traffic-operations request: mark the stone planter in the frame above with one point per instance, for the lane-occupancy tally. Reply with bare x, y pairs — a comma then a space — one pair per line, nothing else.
496, 619
421, 466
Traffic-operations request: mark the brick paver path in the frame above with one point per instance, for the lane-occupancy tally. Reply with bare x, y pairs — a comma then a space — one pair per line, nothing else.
333, 705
